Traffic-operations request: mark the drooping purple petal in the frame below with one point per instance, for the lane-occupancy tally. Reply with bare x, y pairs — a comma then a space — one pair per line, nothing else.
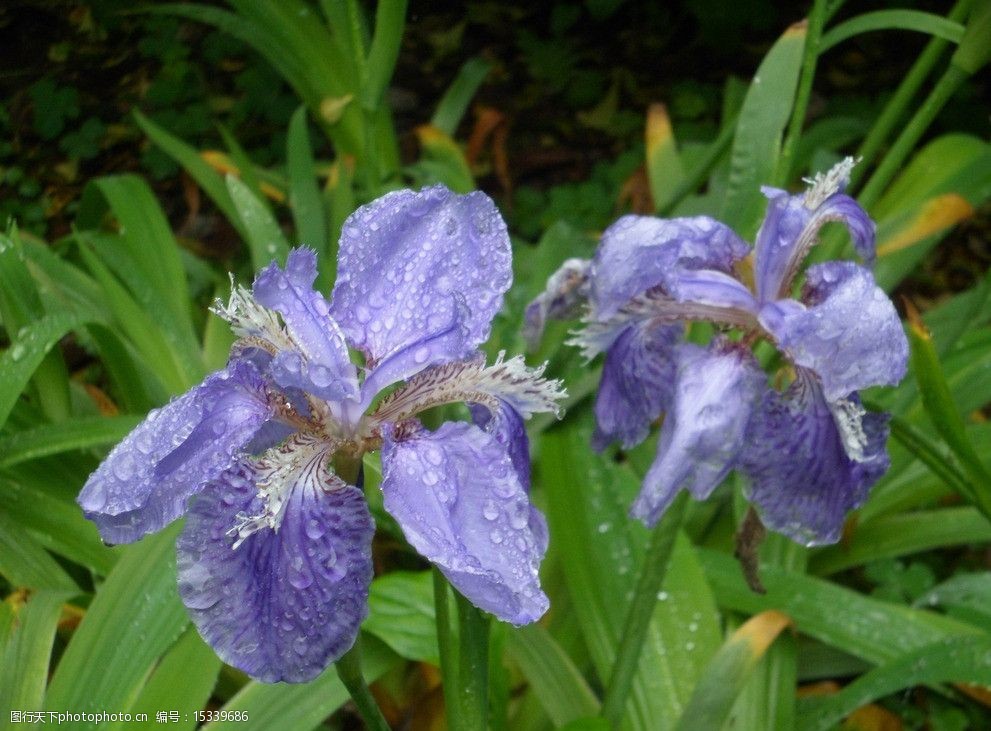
703, 431
408, 259
562, 299
319, 364
505, 424
791, 228
638, 253
637, 383
145, 482
801, 474
849, 334
285, 603
458, 498
714, 289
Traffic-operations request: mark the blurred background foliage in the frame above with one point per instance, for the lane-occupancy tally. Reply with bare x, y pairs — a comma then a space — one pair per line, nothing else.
147, 151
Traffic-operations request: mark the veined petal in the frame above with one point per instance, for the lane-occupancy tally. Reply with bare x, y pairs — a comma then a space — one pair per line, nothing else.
459, 500
287, 601
562, 299
791, 228
801, 474
471, 381
637, 382
319, 362
712, 288
703, 432
849, 333
407, 260
145, 482
638, 253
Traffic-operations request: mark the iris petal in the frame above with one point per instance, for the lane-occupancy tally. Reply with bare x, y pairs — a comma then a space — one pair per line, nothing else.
801, 475
704, 430
409, 260
145, 482
458, 498
287, 602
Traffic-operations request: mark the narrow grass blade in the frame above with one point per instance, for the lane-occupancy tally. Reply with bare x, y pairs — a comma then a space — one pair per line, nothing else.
390, 19
25, 658
401, 614
25, 563
304, 194
49, 439
915, 20
266, 241
664, 169
453, 105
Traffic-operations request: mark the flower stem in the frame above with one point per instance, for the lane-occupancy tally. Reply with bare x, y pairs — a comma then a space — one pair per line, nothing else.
349, 671
473, 665
655, 565
447, 651
810, 56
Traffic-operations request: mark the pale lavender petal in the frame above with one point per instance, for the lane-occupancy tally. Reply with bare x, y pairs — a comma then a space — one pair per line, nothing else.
283, 604
801, 475
791, 229
638, 253
849, 334
637, 383
704, 430
712, 288
505, 424
562, 299
320, 363
408, 259
458, 498
145, 482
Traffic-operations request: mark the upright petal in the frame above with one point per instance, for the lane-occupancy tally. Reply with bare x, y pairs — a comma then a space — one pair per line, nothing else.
287, 601
319, 363
849, 334
505, 424
459, 500
637, 383
791, 228
407, 260
145, 482
703, 431
801, 475
638, 253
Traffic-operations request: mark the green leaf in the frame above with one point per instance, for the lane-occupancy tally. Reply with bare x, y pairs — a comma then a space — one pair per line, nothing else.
401, 614
729, 670
390, 17
555, 680
264, 237
24, 660
57, 524
966, 596
24, 563
867, 628
934, 25
954, 659
189, 158
903, 534
664, 169
765, 112
304, 193
81, 433
182, 682
443, 161
134, 618
453, 105
301, 706
28, 348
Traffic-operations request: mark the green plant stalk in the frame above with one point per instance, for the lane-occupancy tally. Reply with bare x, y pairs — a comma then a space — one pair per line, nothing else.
349, 671
947, 85
652, 573
447, 652
895, 107
473, 665
810, 55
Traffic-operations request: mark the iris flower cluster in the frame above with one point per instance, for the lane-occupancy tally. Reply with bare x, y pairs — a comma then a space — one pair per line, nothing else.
809, 453
262, 457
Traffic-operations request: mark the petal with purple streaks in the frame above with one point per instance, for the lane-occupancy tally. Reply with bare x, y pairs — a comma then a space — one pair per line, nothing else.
287, 602
458, 498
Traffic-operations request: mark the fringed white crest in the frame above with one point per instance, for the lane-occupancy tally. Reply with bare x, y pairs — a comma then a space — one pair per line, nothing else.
849, 418
297, 464
823, 185
524, 388
248, 319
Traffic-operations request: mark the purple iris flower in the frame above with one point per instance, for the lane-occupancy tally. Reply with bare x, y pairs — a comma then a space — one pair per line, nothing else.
274, 560
811, 453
